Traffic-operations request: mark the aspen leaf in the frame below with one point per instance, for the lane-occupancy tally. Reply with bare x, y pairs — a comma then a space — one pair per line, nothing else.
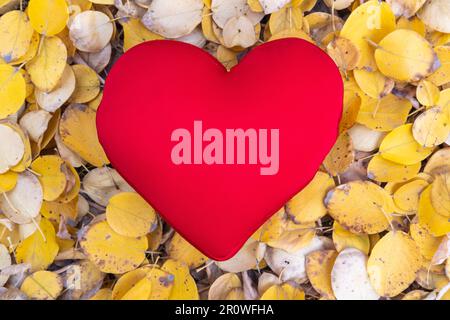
340, 156
181, 250
344, 53
78, 131
223, 285
400, 146
173, 19
90, 31
101, 184
22, 204
413, 23
8, 181
87, 84
128, 280
383, 114
272, 6
53, 100
223, 10
365, 139
382, 170
42, 285
440, 194
318, 269
436, 15
239, 32
441, 75
349, 276
5, 261
352, 103
110, 251
15, 35
50, 175
432, 127
406, 197
425, 241
12, 148
360, 206
405, 8
48, 17
393, 263
307, 205
135, 33
184, 287
291, 266
83, 278
39, 249
12, 90
343, 239
26, 159
227, 57
437, 224
47, 67
287, 18
372, 83
370, 21
427, 93
404, 55
35, 124
129, 215
285, 291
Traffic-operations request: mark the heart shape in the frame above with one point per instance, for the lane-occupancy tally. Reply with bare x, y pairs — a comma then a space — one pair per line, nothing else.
157, 87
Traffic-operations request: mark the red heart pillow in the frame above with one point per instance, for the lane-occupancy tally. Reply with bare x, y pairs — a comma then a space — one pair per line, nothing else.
216, 153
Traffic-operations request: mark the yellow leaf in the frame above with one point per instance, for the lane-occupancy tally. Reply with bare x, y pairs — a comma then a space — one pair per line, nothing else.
48, 17
102, 294
307, 205
406, 197
393, 264
426, 242
42, 285
372, 83
371, 21
15, 35
135, 33
440, 194
47, 67
427, 93
341, 156
12, 90
8, 181
404, 55
184, 287
318, 268
130, 215
223, 285
181, 250
400, 146
343, 239
432, 127
78, 131
111, 252
442, 74
428, 217
285, 291
382, 170
360, 206
87, 84
39, 249
50, 175
288, 18
383, 114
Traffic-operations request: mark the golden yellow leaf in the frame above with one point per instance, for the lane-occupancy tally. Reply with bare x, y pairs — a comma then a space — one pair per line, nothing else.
50, 175
47, 67
135, 33
78, 131
360, 206
181, 250
307, 205
130, 215
42, 285
432, 127
285, 291
382, 170
318, 268
343, 239
15, 35
393, 263
110, 251
39, 249
400, 146
48, 17
440, 194
12, 90
404, 55
428, 217
184, 287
